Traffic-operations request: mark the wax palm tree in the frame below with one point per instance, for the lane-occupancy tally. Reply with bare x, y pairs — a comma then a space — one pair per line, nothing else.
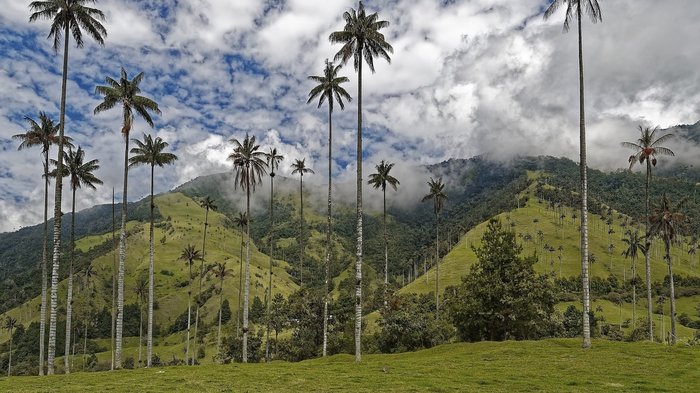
68, 17
221, 273
81, 174
241, 221
328, 88
44, 134
665, 222
380, 180
141, 292
575, 9
189, 255
208, 204
438, 196
299, 166
150, 152
273, 161
361, 40
249, 166
647, 148
634, 244
10, 325
124, 92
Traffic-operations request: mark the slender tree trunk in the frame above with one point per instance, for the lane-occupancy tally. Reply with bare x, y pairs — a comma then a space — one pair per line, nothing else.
240, 289
9, 364
326, 278
301, 236
584, 197
44, 258
247, 273
634, 293
85, 342
437, 264
114, 282
122, 260
358, 252
672, 295
218, 336
386, 249
57, 214
201, 276
151, 283
647, 256
69, 301
189, 313
140, 330
272, 246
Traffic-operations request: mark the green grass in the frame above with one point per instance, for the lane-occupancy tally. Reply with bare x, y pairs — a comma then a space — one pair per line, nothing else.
526, 366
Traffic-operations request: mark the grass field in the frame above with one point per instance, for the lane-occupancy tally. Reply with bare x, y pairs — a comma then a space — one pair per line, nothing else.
526, 366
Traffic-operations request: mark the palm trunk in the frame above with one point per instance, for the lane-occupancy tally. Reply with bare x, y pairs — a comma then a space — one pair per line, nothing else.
437, 264
246, 291
358, 251
301, 236
9, 364
114, 283
584, 197
647, 256
44, 258
122, 260
57, 214
151, 283
189, 313
69, 302
634, 293
672, 295
140, 330
201, 276
386, 250
269, 284
85, 331
221, 300
240, 289
328, 233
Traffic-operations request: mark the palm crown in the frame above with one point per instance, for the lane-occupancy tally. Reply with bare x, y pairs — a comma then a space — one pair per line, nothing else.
634, 245
190, 254
150, 152
647, 147
299, 166
241, 220
79, 171
208, 203
43, 133
248, 162
273, 160
437, 194
361, 38
220, 271
70, 15
382, 177
126, 92
329, 87
573, 9
667, 219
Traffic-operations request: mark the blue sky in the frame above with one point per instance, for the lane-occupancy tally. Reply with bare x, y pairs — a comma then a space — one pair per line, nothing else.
467, 77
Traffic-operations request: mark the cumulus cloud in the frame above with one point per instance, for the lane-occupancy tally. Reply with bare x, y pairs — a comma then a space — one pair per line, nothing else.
467, 77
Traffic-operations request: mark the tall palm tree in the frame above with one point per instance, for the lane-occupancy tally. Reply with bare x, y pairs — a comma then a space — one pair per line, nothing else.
141, 291
380, 180
646, 148
151, 152
241, 221
575, 9
124, 92
189, 255
221, 273
249, 166
44, 134
361, 39
665, 222
208, 204
437, 194
68, 17
328, 88
10, 324
273, 161
87, 275
299, 166
81, 174
634, 246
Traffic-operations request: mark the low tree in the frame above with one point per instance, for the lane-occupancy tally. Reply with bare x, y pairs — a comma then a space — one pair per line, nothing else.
189, 255
635, 245
502, 297
221, 273
10, 325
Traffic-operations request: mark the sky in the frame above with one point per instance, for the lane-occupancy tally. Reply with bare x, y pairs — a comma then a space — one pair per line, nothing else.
467, 77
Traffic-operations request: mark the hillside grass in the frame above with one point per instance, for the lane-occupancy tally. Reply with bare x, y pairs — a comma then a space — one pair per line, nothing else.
557, 365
